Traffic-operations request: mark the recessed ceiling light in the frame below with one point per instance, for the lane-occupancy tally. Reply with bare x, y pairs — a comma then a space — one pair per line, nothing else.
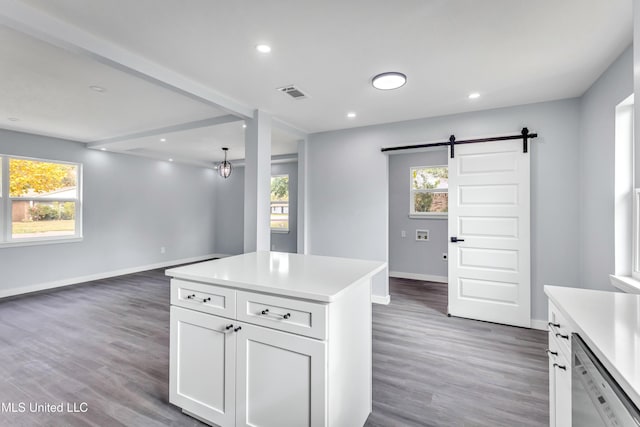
244, 126
474, 95
351, 115
103, 149
388, 81
163, 139
263, 48
97, 88
13, 119
171, 160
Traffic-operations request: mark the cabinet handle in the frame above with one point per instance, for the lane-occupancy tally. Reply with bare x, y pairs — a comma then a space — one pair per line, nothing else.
555, 353
556, 325
191, 296
286, 316
229, 327
564, 368
237, 329
206, 300
558, 334
265, 311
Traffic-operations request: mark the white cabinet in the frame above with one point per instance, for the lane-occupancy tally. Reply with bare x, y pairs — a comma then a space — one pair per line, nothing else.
268, 360
203, 365
559, 353
281, 379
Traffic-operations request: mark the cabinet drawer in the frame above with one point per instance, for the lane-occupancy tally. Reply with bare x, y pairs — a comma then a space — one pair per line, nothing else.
203, 297
291, 315
559, 331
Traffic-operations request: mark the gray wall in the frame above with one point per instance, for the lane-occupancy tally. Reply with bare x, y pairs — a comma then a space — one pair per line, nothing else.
131, 207
597, 162
348, 186
229, 217
288, 242
407, 255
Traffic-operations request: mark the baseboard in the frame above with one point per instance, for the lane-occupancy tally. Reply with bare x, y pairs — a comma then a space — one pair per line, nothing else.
416, 276
539, 324
377, 299
99, 276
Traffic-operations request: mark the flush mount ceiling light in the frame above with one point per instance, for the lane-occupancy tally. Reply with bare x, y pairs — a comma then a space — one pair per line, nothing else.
474, 95
97, 88
388, 81
163, 139
351, 115
263, 48
224, 168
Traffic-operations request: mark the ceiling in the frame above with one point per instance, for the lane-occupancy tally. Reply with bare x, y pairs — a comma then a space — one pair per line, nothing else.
510, 51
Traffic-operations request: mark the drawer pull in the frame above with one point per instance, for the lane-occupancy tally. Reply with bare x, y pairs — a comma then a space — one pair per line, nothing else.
206, 300
229, 326
286, 316
555, 353
192, 296
555, 325
265, 311
237, 329
564, 368
558, 334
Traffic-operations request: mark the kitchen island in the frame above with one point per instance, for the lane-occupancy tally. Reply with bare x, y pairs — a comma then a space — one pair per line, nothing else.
609, 324
272, 339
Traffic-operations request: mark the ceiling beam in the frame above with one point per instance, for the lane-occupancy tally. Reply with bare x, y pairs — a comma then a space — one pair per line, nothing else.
33, 22
125, 141
289, 128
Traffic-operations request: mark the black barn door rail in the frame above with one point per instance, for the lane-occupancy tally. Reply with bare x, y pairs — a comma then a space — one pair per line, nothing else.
524, 136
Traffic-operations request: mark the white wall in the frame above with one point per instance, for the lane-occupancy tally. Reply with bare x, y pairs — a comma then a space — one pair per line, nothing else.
348, 186
597, 162
406, 254
131, 207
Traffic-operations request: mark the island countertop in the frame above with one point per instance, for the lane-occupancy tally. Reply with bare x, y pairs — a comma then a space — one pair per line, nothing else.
609, 322
312, 277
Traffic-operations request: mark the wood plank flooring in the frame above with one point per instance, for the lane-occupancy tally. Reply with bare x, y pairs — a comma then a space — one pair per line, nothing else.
106, 343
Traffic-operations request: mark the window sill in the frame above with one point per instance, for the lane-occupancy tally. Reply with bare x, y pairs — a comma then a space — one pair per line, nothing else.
38, 242
422, 216
277, 231
625, 283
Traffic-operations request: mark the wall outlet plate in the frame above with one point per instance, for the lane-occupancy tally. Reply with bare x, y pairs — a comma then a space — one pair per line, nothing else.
422, 235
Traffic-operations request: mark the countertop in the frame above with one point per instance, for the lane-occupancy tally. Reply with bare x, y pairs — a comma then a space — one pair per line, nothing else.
312, 277
609, 322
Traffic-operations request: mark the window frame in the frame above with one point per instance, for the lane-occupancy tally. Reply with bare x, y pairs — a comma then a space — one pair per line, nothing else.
425, 215
281, 230
6, 205
635, 248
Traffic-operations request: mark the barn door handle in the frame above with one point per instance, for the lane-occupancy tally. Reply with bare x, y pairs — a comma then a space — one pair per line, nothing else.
456, 240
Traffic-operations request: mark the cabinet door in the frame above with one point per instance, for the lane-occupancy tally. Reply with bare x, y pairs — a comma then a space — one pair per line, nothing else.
202, 365
281, 379
563, 393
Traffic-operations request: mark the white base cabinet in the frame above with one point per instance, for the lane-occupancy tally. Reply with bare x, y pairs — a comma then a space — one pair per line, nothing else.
267, 361
559, 353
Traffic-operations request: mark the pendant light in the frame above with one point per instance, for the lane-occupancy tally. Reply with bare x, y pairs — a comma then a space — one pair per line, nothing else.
224, 168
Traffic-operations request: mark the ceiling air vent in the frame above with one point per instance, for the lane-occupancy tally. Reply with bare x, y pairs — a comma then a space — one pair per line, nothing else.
293, 92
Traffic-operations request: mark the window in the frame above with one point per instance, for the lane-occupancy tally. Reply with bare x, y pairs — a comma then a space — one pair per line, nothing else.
429, 192
40, 200
280, 203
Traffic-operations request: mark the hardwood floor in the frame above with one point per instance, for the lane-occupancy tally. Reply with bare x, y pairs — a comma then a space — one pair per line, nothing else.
107, 344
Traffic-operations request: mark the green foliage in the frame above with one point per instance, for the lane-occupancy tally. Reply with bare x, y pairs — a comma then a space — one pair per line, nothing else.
44, 213
68, 210
280, 188
423, 202
429, 178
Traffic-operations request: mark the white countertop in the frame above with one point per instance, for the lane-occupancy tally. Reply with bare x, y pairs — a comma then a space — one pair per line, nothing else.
312, 277
609, 322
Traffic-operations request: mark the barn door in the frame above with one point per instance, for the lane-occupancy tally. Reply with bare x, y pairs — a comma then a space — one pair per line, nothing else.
489, 254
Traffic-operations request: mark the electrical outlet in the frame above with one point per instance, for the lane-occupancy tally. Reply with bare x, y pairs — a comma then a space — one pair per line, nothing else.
163, 249
445, 257
403, 233
422, 235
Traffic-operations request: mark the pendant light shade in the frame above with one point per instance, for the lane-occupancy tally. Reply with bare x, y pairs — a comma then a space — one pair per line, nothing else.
224, 168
